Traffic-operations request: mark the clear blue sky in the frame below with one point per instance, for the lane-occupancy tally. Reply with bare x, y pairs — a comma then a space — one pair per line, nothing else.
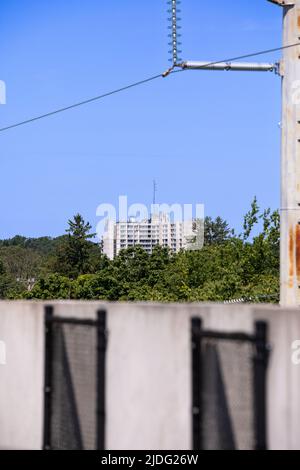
207, 137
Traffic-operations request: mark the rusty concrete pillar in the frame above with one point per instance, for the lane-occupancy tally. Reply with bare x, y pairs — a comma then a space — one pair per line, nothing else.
290, 156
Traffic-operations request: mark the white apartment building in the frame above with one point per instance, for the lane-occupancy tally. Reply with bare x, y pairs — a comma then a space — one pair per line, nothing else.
159, 230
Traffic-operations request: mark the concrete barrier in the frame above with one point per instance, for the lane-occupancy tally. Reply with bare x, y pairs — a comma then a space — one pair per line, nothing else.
148, 383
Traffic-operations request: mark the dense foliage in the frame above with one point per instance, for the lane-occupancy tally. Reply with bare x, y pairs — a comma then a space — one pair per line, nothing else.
73, 266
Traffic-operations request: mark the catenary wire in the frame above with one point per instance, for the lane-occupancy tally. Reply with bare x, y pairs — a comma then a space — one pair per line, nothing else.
135, 84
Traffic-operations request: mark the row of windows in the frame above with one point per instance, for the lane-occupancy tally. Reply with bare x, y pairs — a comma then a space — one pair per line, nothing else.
152, 227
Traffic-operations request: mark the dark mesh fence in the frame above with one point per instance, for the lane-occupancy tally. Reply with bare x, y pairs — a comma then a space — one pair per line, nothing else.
229, 385
74, 362
227, 395
229, 388
73, 387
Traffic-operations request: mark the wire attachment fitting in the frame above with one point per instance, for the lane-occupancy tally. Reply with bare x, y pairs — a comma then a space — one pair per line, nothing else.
167, 72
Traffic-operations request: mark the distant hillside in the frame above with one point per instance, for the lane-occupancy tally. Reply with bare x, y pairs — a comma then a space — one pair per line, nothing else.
43, 245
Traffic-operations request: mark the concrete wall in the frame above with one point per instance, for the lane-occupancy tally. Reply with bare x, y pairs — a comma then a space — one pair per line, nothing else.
148, 384
21, 378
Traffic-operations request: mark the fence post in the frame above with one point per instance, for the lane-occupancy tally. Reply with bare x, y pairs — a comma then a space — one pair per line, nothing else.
196, 326
48, 377
260, 385
101, 359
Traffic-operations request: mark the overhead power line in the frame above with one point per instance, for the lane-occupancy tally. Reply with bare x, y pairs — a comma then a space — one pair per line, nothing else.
80, 103
135, 84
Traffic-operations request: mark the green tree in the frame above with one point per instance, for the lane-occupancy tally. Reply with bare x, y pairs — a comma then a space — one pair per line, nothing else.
100, 286
131, 265
73, 255
251, 219
3, 281
7, 283
216, 231
20, 262
227, 267
159, 262
52, 287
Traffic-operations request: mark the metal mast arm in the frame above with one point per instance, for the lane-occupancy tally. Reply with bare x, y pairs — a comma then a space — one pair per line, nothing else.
231, 66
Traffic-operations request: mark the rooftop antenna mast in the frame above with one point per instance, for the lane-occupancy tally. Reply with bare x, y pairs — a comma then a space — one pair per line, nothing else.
154, 192
289, 69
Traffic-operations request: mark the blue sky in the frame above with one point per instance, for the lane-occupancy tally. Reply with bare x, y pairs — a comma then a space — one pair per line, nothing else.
207, 137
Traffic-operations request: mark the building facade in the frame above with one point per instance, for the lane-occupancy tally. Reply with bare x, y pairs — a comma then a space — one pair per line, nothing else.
159, 230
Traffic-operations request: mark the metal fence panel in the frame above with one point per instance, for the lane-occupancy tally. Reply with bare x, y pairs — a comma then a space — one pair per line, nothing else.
74, 382
229, 388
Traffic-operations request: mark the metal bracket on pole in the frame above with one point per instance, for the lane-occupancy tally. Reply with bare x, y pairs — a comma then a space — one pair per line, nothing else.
231, 66
283, 3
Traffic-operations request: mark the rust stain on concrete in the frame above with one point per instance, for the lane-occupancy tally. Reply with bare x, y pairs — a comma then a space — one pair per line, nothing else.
291, 252
298, 251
